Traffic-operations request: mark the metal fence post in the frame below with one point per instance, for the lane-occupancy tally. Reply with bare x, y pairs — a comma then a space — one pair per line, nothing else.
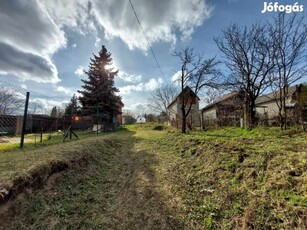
24, 123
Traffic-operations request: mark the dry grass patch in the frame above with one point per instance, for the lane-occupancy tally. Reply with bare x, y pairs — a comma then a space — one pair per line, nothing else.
152, 177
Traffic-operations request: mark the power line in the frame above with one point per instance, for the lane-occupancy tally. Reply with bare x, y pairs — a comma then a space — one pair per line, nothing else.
152, 52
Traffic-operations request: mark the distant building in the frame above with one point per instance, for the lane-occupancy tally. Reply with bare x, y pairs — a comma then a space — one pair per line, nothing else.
140, 119
174, 109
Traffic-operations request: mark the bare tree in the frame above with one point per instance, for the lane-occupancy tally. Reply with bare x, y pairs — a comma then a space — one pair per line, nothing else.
289, 36
35, 107
10, 102
248, 55
151, 117
211, 95
129, 116
162, 97
128, 112
197, 73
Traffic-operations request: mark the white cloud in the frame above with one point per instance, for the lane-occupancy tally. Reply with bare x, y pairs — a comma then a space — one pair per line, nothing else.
159, 19
176, 77
74, 45
28, 27
140, 108
23, 86
129, 77
75, 14
28, 38
35, 29
151, 85
65, 90
125, 90
11, 90
137, 109
42, 105
97, 42
79, 71
27, 66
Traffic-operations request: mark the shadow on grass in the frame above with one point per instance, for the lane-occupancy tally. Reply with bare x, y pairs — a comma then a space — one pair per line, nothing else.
118, 189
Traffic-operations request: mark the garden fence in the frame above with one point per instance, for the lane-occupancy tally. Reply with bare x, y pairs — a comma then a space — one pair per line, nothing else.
45, 119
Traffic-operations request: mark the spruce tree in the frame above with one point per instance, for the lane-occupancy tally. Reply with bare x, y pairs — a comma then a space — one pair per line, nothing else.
54, 112
98, 94
72, 106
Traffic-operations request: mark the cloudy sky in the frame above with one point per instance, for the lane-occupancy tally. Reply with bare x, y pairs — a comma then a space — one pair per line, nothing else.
46, 44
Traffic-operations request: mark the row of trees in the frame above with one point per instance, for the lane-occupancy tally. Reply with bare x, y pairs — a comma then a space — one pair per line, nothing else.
12, 102
265, 55
262, 56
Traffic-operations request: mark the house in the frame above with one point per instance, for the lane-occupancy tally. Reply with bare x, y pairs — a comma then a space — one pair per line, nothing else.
140, 119
174, 109
128, 119
228, 110
225, 111
120, 106
296, 106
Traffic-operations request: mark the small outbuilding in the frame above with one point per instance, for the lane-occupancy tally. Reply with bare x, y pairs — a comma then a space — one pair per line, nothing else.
140, 119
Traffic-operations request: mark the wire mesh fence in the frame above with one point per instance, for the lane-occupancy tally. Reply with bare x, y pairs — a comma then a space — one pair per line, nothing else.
42, 121
45, 121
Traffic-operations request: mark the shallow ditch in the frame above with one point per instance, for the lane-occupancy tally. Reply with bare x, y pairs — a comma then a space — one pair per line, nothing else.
40, 178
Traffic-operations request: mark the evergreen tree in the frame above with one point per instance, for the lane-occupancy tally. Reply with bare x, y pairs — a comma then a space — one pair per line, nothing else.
72, 107
98, 94
54, 112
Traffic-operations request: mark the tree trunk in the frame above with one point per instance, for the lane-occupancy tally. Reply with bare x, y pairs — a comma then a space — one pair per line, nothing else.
285, 92
247, 114
281, 125
253, 113
184, 119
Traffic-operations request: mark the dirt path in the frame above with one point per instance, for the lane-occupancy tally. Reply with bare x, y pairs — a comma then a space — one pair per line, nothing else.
141, 200
122, 188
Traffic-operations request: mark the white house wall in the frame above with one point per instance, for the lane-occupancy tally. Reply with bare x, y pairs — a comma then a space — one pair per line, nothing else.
195, 115
209, 114
174, 113
271, 108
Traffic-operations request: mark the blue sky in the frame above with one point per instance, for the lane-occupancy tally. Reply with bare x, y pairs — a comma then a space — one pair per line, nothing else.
46, 44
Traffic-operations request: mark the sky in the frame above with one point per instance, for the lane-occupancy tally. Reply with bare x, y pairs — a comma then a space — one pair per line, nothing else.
45, 45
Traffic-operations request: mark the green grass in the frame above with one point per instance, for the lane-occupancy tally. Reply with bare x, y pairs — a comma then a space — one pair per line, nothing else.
149, 176
32, 141
17, 163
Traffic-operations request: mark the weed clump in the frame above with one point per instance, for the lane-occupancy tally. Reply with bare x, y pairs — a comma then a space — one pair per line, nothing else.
159, 128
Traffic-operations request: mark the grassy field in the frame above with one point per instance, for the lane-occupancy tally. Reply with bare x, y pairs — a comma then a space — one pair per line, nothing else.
149, 176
